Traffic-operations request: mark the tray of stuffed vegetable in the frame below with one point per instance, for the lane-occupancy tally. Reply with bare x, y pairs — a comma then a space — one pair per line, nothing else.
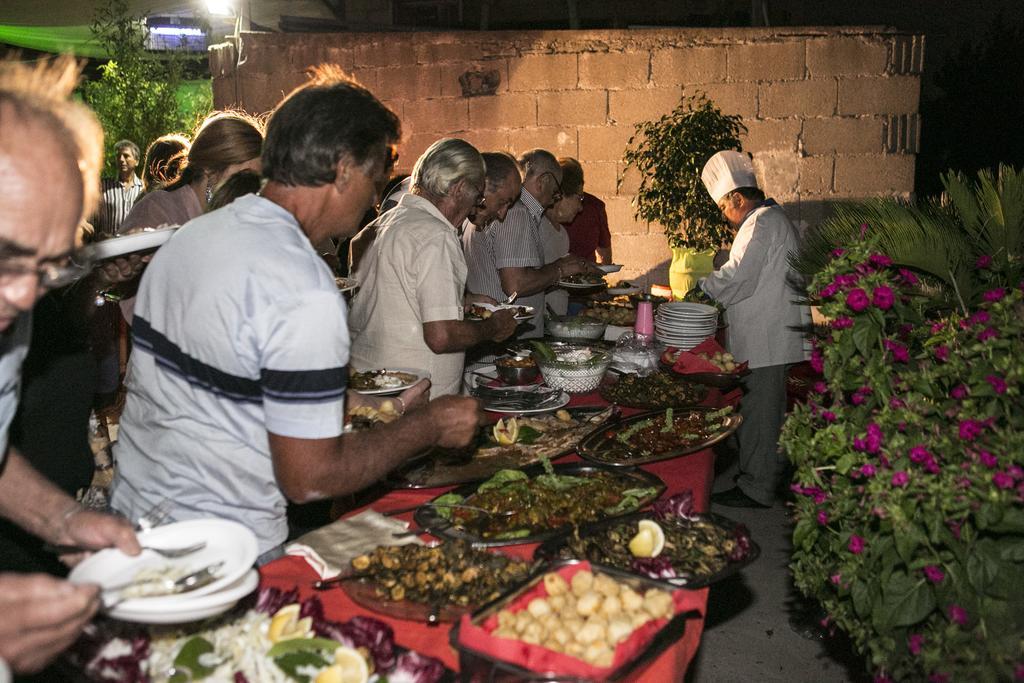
536, 503
658, 435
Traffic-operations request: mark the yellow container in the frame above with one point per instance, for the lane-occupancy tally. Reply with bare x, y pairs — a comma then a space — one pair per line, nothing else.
688, 266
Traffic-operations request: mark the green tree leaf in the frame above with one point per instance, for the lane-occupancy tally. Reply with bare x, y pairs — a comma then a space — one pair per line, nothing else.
908, 600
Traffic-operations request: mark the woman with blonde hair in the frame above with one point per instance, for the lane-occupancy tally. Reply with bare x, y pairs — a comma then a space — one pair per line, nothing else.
226, 143
164, 158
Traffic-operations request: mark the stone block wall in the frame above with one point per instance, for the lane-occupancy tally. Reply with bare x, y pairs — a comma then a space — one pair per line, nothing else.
832, 113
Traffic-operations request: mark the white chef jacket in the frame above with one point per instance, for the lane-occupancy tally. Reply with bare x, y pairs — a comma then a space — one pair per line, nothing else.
765, 324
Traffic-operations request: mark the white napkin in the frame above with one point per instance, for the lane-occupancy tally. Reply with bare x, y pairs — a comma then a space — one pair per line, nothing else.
331, 548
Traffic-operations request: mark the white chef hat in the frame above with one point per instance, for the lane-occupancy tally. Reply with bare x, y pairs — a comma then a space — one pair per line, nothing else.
726, 171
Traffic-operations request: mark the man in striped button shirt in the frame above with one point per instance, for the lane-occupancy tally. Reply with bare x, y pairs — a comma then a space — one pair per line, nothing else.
119, 194
507, 256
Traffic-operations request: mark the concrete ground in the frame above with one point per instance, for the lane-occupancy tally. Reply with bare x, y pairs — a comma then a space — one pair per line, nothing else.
748, 636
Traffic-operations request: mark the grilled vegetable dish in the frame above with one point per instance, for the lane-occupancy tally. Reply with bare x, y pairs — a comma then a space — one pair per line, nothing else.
695, 549
656, 390
673, 431
584, 279
480, 313
545, 502
452, 573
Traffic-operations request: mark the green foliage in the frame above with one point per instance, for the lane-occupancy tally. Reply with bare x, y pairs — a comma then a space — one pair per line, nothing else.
910, 468
669, 154
943, 239
139, 95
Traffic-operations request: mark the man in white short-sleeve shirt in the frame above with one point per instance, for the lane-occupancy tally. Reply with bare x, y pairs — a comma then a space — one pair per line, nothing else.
409, 309
508, 256
238, 378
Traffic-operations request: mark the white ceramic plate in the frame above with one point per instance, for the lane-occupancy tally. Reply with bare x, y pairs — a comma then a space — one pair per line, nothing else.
384, 391
530, 310
188, 609
129, 244
609, 267
346, 284
226, 541
563, 400
688, 307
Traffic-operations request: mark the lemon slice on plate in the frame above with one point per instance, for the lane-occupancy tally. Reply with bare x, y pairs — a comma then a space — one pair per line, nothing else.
349, 667
506, 431
649, 540
286, 625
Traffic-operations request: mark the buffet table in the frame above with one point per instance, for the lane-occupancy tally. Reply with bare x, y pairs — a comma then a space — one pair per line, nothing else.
694, 472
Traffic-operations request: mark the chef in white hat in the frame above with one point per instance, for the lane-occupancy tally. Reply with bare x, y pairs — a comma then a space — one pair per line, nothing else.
766, 328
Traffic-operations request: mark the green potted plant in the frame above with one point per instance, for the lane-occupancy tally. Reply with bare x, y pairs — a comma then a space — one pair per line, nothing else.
670, 154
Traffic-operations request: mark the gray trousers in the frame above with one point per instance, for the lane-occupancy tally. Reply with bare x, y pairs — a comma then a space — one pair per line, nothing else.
763, 408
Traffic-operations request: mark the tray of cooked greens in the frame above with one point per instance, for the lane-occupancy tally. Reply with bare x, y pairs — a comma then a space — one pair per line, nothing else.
536, 503
656, 390
670, 543
658, 435
437, 583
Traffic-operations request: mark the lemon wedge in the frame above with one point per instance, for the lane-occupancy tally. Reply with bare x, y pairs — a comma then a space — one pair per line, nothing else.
349, 667
649, 540
286, 625
506, 431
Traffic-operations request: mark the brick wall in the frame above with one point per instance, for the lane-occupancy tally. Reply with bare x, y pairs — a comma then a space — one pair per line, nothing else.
832, 112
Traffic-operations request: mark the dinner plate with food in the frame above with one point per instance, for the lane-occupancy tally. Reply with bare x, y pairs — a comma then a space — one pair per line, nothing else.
609, 267
582, 281
146, 239
623, 288
346, 284
383, 381
485, 311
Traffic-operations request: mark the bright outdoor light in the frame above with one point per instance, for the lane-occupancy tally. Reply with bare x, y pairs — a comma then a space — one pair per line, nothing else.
221, 8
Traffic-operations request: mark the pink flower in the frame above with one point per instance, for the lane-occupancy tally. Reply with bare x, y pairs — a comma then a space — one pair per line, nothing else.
942, 352
880, 260
915, 641
820, 387
899, 351
836, 579
828, 416
847, 279
998, 383
994, 294
919, 454
979, 318
895, 403
934, 573
1002, 480
908, 277
882, 297
857, 300
842, 323
957, 614
900, 479
988, 333
836, 253
858, 398
856, 544
822, 517
938, 327
984, 261
828, 291
867, 470
881, 678
987, 459
970, 430
959, 392
863, 230
1018, 672
938, 677
1016, 471
817, 360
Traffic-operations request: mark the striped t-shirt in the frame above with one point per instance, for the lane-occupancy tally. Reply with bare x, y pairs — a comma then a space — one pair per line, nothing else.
116, 201
239, 331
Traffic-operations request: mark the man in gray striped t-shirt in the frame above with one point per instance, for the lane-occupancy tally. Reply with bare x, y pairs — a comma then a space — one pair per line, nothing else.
118, 195
507, 256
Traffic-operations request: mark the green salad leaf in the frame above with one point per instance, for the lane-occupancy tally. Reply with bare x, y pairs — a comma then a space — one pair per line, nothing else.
447, 499
187, 665
631, 499
500, 478
528, 435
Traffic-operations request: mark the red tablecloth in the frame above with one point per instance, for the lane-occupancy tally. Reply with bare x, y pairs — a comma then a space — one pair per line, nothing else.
694, 472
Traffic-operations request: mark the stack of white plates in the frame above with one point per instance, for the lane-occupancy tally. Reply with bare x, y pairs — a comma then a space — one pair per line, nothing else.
685, 325
228, 544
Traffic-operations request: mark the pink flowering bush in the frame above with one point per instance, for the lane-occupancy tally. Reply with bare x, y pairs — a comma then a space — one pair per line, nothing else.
910, 473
